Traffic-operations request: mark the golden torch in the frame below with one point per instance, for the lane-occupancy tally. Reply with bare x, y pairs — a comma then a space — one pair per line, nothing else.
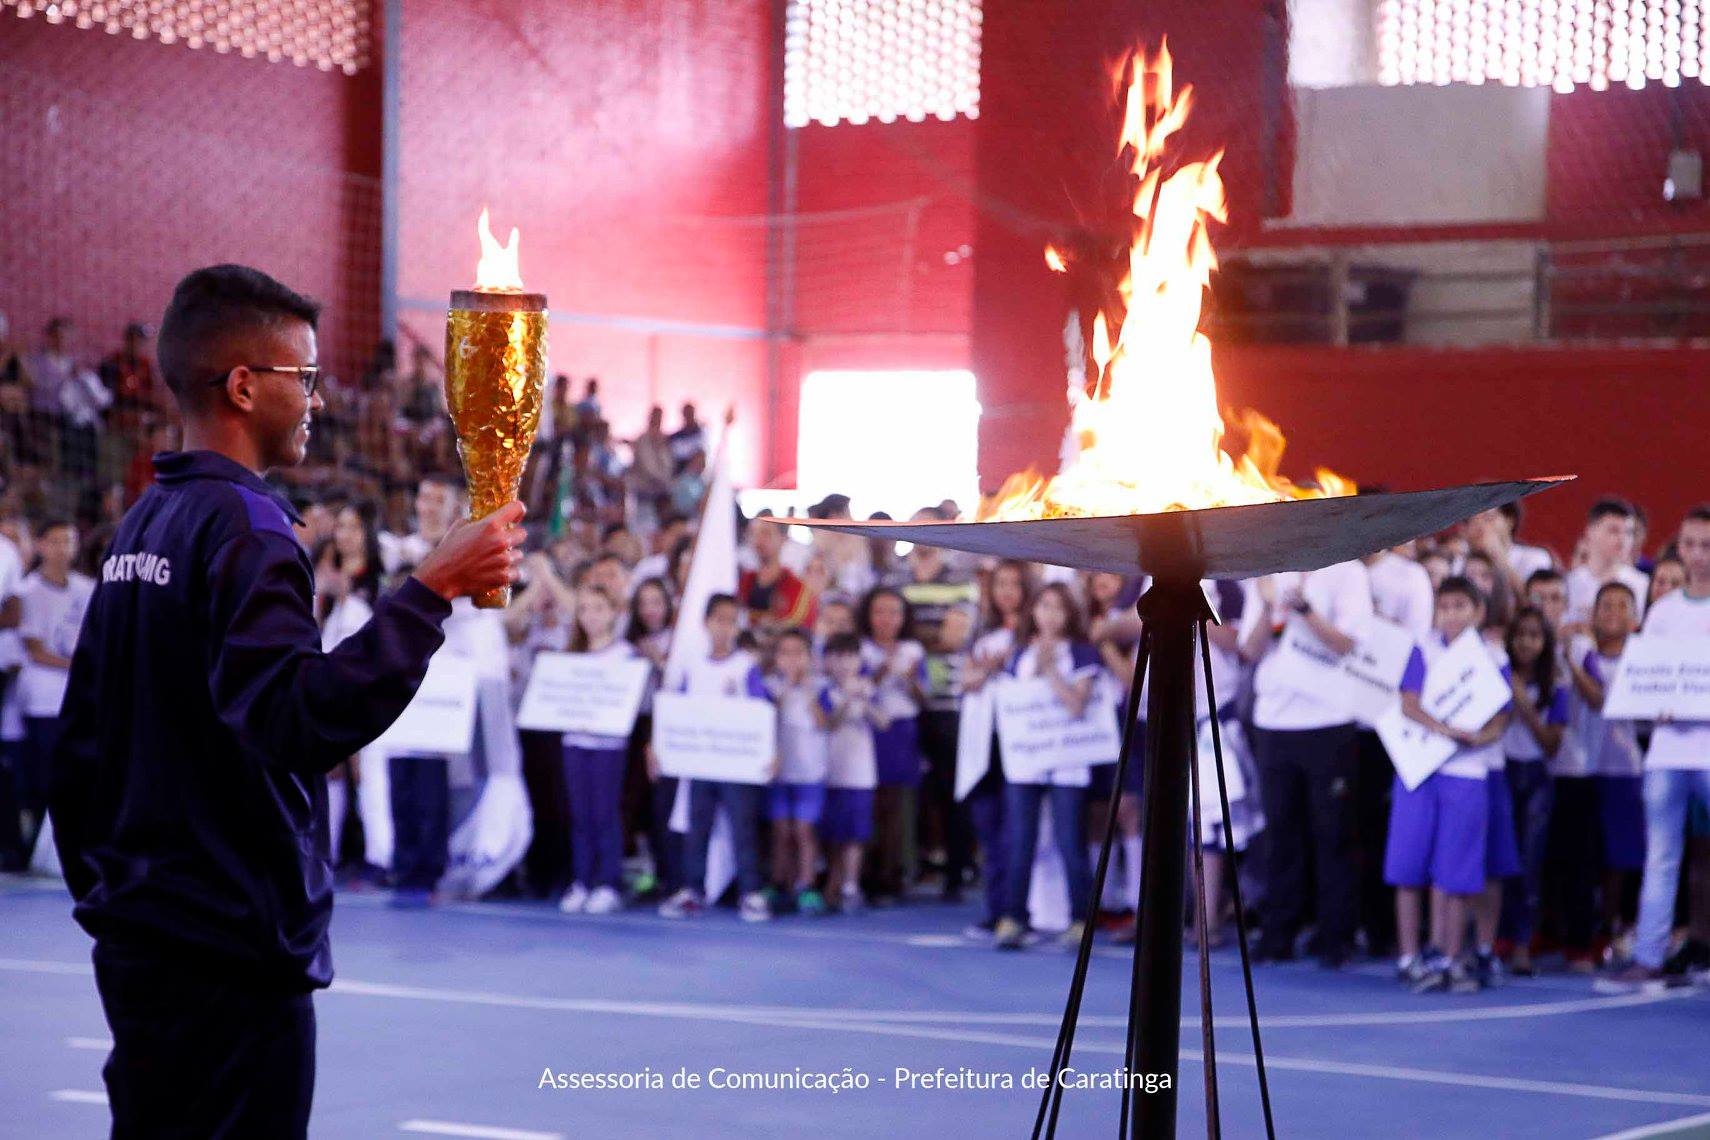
495, 375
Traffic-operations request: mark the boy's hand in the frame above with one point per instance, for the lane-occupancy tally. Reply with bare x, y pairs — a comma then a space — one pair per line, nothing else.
652, 764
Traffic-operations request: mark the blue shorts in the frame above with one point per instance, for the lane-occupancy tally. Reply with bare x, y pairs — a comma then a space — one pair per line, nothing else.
848, 816
1621, 809
1437, 835
1501, 846
801, 802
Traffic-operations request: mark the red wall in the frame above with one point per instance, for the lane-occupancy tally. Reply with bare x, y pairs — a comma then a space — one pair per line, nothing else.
1627, 421
609, 131
128, 163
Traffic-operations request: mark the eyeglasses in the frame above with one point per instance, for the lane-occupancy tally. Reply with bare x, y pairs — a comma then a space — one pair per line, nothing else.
309, 374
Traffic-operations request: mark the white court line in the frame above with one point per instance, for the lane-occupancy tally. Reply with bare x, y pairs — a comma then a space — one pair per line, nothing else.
79, 1096
1662, 1129
100, 1043
713, 1012
1300, 1064
480, 1131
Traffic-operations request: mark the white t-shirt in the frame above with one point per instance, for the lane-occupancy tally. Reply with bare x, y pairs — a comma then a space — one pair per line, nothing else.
400, 550
1026, 667
11, 581
1680, 744
1582, 587
52, 615
852, 761
1287, 696
804, 754
1466, 762
737, 675
349, 614
1401, 592
1526, 561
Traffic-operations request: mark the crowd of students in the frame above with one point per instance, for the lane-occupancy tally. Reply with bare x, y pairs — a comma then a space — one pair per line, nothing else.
1549, 830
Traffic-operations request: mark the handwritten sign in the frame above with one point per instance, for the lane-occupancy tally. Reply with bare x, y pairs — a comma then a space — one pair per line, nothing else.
1038, 734
731, 739
974, 740
1313, 667
1374, 669
1661, 675
440, 720
1463, 689
578, 692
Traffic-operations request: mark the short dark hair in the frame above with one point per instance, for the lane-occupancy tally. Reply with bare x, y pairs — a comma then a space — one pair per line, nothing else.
1699, 513
1462, 585
54, 522
1511, 512
1610, 507
1609, 587
212, 305
613, 528
1547, 574
842, 644
718, 600
796, 633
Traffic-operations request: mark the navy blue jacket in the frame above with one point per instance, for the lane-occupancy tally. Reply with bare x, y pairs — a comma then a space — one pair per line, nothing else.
189, 794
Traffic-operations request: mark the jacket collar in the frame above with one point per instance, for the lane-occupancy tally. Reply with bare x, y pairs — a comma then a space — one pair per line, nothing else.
172, 468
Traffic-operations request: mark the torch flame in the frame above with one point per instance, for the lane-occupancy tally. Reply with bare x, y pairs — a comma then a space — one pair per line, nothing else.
498, 270
1151, 438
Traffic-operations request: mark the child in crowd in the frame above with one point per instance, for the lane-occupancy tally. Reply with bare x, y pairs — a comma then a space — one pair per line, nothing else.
1546, 592
1008, 595
896, 664
725, 671
943, 819
1533, 737
652, 613
1439, 831
854, 716
796, 799
1051, 646
1667, 576
1618, 773
593, 773
836, 615
52, 601
1610, 541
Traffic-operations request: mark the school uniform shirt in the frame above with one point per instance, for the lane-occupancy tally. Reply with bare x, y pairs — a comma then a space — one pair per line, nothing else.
1075, 661
618, 650
11, 581
1611, 746
735, 675
804, 751
400, 550
852, 760
349, 614
1286, 697
1582, 587
52, 615
189, 800
894, 696
1401, 592
1526, 561
1518, 743
1467, 762
1680, 744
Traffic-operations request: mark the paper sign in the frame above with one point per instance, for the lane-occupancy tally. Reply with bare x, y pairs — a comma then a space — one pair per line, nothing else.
1313, 667
1038, 734
731, 739
1661, 675
1464, 689
974, 740
579, 692
1374, 668
440, 720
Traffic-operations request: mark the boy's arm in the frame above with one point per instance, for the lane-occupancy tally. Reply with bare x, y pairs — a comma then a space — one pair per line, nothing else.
1490, 733
1074, 694
42, 655
1414, 711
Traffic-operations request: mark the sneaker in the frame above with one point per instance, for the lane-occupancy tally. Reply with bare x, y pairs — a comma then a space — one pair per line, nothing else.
1070, 940
575, 900
755, 908
810, 902
1412, 969
979, 931
1009, 934
852, 902
1487, 968
1635, 979
686, 903
1432, 980
604, 900
1464, 979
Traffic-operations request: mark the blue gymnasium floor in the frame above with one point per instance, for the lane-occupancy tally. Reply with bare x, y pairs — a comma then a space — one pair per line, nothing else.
442, 1022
